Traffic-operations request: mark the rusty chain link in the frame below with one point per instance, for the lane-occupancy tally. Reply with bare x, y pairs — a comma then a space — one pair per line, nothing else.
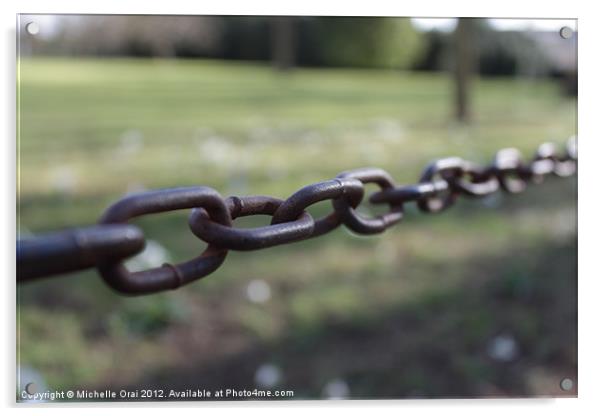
106, 245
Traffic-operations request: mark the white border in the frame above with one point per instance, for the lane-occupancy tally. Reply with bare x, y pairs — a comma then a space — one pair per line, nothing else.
589, 211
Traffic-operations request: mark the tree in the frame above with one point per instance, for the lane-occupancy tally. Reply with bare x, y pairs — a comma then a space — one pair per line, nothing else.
283, 43
464, 63
366, 42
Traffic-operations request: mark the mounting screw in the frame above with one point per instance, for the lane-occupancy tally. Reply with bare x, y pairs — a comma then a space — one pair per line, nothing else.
566, 32
30, 388
32, 28
566, 384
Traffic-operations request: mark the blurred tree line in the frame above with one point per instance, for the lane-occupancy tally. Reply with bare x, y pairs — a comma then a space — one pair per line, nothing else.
312, 41
497, 52
365, 42
289, 41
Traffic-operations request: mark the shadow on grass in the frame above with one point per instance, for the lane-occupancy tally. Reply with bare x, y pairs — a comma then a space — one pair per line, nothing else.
508, 331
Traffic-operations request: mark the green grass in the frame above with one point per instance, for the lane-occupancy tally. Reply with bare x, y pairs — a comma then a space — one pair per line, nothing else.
90, 130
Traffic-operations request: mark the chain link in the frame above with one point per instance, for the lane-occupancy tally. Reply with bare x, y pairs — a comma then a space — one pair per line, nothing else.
107, 245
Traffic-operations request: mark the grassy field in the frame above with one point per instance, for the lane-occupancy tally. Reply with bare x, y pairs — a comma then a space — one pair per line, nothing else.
479, 300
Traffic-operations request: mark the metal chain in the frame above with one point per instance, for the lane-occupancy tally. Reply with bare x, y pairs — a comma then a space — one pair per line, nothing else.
107, 245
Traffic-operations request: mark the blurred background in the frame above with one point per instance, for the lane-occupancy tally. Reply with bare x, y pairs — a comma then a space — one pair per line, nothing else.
479, 301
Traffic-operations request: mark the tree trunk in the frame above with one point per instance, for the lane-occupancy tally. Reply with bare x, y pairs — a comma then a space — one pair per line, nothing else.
464, 62
283, 43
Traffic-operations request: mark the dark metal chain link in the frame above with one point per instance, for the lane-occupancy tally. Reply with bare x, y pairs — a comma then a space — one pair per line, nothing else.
107, 245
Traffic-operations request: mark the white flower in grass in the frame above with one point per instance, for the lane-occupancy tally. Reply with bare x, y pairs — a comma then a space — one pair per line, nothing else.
389, 130
503, 348
336, 389
153, 255
258, 291
216, 149
268, 375
63, 179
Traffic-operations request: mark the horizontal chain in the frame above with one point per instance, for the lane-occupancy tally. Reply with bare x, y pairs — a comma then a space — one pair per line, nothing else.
106, 245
